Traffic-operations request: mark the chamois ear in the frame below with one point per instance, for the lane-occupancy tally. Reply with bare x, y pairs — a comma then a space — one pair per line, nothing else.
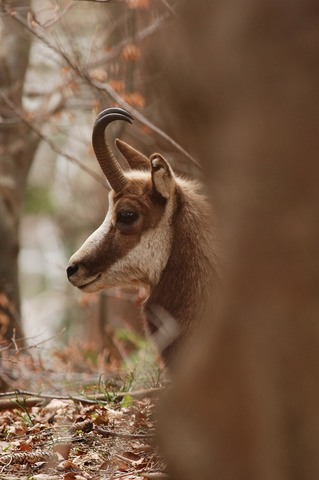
135, 159
162, 176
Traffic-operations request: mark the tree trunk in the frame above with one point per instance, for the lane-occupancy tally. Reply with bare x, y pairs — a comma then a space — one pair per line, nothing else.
18, 146
246, 403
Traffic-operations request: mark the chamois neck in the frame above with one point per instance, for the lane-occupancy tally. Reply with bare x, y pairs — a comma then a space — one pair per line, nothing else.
181, 293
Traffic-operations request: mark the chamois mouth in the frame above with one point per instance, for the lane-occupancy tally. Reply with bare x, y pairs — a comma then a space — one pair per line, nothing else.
90, 283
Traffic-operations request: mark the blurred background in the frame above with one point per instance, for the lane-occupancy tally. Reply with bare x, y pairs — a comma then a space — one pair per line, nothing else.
243, 94
61, 62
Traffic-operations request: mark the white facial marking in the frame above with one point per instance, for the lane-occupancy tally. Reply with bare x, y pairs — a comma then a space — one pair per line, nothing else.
147, 260
90, 244
95, 238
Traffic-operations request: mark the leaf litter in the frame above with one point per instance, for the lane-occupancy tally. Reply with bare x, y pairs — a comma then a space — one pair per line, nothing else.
104, 436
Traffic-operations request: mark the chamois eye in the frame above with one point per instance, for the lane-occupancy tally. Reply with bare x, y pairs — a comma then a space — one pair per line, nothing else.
127, 217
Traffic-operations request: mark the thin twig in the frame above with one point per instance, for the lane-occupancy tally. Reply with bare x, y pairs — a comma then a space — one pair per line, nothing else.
113, 433
55, 18
4, 346
169, 8
49, 142
139, 36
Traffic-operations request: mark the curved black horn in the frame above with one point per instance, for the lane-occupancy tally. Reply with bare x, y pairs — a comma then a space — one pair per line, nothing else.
108, 162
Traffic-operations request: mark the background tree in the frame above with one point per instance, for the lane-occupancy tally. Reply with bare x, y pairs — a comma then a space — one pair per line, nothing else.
18, 146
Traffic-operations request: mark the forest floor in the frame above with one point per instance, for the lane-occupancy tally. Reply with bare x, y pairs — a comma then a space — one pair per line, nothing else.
56, 423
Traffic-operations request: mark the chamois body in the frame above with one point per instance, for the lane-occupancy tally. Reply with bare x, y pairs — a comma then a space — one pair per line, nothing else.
157, 233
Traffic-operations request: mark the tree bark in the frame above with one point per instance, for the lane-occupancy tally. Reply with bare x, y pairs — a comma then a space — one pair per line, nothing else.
18, 146
246, 402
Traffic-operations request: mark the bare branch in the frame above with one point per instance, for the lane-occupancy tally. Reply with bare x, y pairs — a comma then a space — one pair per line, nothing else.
108, 90
169, 7
27, 398
38, 35
57, 16
49, 142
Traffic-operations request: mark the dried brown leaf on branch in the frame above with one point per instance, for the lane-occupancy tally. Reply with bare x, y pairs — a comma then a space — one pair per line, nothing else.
138, 4
131, 53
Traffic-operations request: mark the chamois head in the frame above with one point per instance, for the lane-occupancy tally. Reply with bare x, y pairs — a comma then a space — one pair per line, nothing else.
132, 244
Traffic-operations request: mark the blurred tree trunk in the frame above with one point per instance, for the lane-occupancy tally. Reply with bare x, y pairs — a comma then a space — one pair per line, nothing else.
18, 145
246, 403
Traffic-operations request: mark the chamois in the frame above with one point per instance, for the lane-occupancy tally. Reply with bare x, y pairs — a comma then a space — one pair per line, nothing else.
157, 233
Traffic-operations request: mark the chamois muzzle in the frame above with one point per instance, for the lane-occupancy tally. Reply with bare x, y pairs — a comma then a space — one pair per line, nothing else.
108, 162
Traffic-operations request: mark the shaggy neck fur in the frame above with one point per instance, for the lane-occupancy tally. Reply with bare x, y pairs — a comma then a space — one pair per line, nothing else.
177, 302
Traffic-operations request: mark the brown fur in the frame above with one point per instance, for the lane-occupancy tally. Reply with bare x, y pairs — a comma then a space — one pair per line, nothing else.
182, 276
188, 277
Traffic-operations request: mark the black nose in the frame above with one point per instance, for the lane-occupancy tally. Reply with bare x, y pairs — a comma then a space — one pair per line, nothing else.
71, 270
